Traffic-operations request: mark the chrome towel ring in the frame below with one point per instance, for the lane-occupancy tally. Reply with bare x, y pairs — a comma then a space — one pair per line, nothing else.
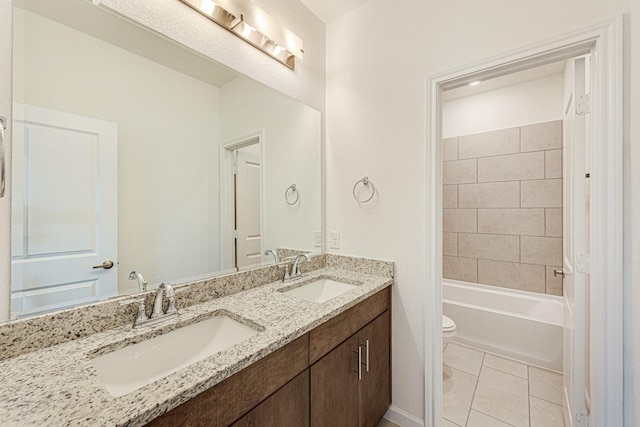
365, 181
288, 192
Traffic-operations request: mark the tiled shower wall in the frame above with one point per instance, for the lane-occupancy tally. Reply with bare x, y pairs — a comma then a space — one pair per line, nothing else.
502, 198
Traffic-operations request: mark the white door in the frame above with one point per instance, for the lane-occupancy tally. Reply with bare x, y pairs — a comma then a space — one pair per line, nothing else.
248, 227
575, 243
64, 210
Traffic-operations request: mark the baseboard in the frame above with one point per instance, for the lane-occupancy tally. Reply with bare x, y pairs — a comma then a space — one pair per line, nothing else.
402, 418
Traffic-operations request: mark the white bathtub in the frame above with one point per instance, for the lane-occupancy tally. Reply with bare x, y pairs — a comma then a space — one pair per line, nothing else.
517, 324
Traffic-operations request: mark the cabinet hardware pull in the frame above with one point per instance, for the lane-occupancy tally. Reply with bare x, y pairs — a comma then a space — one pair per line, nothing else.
359, 371
367, 355
3, 126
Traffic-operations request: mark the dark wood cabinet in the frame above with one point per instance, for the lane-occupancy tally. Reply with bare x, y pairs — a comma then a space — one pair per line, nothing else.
375, 386
345, 394
334, 387
313, 380
288, 406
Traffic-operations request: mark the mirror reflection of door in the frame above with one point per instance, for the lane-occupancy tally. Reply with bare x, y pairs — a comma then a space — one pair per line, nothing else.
248, 233
64, 210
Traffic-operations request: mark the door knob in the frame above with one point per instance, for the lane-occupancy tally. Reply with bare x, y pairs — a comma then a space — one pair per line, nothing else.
557, 273
106, 265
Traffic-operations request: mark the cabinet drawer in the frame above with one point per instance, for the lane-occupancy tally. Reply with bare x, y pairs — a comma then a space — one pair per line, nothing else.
330, 334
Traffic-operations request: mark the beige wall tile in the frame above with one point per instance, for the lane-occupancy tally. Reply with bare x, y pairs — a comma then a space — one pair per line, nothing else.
554, 284
456, 268
528, 222
450, 244
450, 149
544, 193
450, 196
525, 277
541, 136
489, 246
460, 171
503, 141
553, 222
512, 167
489, 195
539, 250
460, 220
553, 164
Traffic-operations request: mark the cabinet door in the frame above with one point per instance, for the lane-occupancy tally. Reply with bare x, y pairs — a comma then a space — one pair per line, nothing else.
334, 387
375, 387
289, 406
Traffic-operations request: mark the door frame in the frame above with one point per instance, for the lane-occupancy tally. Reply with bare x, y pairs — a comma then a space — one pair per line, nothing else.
604, 42
227, 193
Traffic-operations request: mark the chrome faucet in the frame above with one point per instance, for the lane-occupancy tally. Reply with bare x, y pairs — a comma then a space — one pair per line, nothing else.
166, 289
276, 258
295, 268
142, 284
157, 315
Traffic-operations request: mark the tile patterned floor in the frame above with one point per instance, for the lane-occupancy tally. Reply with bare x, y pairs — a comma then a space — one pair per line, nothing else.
484, 390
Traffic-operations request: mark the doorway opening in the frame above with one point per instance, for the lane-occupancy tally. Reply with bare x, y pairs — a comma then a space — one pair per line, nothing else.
503, 240
241, 194
604, 258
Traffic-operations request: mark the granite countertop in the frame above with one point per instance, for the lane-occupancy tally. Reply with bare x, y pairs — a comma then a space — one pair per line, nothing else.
59, 386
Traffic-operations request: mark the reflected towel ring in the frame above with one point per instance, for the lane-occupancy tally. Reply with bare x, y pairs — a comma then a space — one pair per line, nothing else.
365, 181
292, 188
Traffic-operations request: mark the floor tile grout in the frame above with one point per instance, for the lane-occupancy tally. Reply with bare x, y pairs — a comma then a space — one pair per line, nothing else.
504, 372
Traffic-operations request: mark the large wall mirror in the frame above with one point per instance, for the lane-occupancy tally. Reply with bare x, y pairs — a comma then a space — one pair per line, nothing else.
133, 153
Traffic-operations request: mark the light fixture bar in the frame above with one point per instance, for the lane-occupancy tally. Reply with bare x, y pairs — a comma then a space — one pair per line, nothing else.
252, 24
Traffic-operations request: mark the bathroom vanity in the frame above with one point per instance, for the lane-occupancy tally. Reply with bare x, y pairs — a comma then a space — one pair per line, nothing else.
324, 377
308, 363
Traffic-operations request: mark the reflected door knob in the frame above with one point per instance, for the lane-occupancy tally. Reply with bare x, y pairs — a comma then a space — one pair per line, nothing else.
106, 265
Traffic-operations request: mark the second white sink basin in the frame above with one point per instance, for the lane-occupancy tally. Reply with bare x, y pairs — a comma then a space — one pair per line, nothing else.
320, 290
130, 368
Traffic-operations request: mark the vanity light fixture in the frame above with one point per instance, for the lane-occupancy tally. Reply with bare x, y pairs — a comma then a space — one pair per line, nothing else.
252, 24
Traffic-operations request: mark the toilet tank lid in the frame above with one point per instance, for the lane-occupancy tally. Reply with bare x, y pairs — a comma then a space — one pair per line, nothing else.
447, 323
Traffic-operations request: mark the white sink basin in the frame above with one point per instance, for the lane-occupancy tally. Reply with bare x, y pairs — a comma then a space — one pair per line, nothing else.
130, 368
320, 290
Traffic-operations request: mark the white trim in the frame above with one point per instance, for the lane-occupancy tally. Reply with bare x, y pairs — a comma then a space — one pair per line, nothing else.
604, 42
402, 418
226, 195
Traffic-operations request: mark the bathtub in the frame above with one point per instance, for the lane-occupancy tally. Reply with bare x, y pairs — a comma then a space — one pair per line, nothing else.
521, 325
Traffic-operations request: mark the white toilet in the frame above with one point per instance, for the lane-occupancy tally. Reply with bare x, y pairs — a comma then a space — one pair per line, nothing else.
448, 330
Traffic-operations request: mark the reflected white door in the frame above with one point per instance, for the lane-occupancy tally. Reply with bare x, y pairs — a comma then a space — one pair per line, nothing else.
64, 210
575, 252
248, 227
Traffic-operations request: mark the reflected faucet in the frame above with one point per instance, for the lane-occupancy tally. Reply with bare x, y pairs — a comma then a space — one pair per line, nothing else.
142, 284
276, 258
295, 268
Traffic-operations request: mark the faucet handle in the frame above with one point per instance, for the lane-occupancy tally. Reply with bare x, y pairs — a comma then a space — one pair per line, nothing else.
142, 312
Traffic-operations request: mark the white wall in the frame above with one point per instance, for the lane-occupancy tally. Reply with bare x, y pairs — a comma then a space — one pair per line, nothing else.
291, 151
535, 101
376, 111
168, 214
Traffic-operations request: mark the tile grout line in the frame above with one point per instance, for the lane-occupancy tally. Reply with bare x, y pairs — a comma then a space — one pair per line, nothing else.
475, 388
